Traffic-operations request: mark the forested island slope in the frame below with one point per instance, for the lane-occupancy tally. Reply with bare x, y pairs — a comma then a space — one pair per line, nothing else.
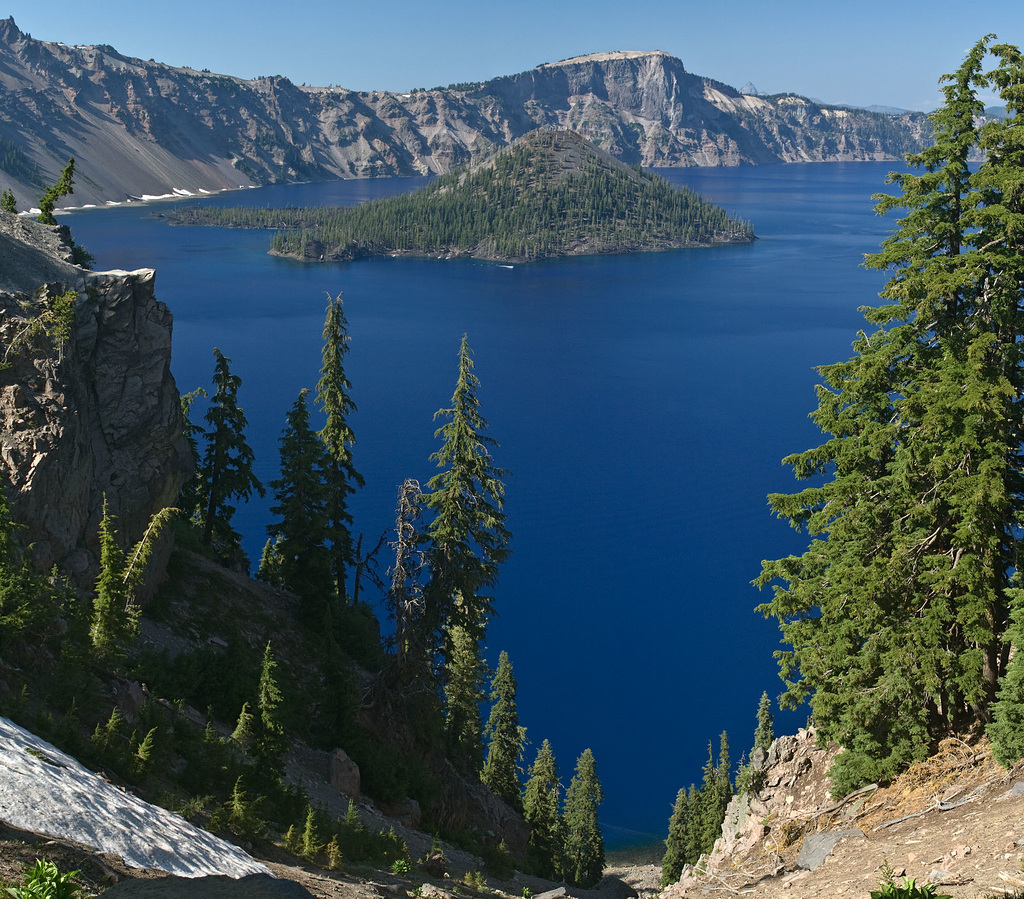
549, 194
141, 127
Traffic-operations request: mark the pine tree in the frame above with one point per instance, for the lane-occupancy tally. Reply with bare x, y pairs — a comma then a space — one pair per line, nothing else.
896, 614
675, 845
300, 546
468, 536
7, 202
25, 605
190, 501
65, 185
546, 844
469, 540
584, 845
465, 676
405, 593
340, 475
268, 739
115, 620
227, 461
506, 737
764, 735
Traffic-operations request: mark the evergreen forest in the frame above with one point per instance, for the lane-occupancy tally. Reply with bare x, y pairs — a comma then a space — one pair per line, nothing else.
549, 194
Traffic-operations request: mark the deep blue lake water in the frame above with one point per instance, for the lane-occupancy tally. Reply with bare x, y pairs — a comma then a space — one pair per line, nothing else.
642, 404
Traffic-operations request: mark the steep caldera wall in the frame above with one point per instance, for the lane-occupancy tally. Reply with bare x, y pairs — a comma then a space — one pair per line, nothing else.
138, 127
94, 414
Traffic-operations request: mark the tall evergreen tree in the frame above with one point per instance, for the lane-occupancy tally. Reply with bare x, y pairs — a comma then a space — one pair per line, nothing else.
405, 592
340, 476
267, 738
465, 676
300, 549
506, 737
190, 499
115, 620
546, 844
676, 843
764, 735
468, 541
897, 612
584, 845
227, 461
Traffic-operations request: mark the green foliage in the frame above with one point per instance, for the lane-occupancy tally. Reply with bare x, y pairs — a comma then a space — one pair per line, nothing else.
7, 201
506, 737
27, 604
299, 557
189, 500
750, 777
340, 476
115, 621
269, 742
227, 472
675, 844
65, 185
401, 866
908, 890
526, 203
1006, 730
896, 615
469, 540
241, 815
584, 845
43, 880
541, 796
54, 323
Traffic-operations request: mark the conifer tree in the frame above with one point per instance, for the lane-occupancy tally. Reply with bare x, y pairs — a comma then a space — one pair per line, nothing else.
465, 676
340, 476
506, 737
190, 501
676, 843
405, 593
115, 620
584, 845
65, 185
300, 550
764, 735
469, 540
24, 605
227, 461
268, 739
7, 202
546, 844
896, 614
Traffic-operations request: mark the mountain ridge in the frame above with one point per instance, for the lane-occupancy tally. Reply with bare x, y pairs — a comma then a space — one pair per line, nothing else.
145, 128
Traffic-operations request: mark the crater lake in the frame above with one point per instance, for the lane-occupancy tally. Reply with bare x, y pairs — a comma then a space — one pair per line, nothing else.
642, 404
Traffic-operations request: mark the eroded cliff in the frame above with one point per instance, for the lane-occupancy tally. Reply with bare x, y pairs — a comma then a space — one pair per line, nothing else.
138, 128
86, 413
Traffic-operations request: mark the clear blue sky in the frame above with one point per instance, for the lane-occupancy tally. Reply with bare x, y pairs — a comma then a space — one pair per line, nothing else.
869, 52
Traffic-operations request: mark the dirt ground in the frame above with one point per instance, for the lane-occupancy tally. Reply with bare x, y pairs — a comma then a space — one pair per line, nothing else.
956, 820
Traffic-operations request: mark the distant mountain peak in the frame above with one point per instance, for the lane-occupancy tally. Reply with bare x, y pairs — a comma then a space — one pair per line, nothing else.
610, 56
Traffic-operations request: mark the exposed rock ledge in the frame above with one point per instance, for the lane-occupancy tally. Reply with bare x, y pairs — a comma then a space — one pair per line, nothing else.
97, 416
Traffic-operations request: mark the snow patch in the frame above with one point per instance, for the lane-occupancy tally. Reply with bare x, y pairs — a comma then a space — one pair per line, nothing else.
47, 792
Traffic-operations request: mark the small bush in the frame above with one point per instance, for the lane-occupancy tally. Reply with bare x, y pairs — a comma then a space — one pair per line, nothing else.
907, 890
44, 881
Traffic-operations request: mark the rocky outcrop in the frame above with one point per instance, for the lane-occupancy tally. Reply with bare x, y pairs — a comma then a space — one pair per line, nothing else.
144, 128
88, 414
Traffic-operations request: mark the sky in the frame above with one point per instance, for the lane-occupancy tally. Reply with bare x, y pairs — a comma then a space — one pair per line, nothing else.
865, 53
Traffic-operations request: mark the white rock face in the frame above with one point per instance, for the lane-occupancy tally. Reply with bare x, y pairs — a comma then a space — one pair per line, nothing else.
45, 791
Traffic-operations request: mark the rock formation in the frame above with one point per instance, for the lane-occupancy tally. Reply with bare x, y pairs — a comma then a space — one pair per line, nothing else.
91, 415
144, 128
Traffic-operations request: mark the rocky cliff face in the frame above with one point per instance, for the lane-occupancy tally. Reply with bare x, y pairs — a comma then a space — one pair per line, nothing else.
92, 413
138, 128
